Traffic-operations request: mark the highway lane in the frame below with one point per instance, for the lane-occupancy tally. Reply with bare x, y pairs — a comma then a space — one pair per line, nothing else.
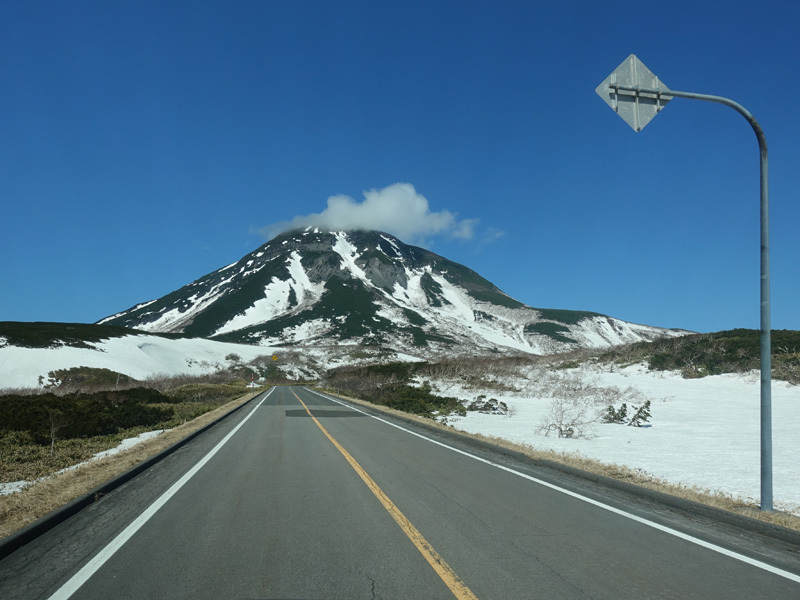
279, 512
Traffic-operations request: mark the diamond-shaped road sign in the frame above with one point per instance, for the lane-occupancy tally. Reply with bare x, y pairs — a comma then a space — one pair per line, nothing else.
636, 110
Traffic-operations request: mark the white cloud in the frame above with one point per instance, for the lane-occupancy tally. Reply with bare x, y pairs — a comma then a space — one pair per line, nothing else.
397, 209
492, 234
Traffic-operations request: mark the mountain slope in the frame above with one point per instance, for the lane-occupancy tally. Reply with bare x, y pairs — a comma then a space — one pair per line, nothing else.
368, 288
30, 351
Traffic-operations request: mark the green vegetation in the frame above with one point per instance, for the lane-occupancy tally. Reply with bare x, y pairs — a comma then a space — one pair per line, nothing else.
390, 385
352, 312
641, 415
555, 324
414, 317
271, 328
208, 393
483, 316
401, 371
353, 300
418, 400
567, 364
490, 406
420, 337
46, 417
292, 300
698, 355
551, 330
432, 289
85, 377
495, 296
615, 415
568, 317
42, 433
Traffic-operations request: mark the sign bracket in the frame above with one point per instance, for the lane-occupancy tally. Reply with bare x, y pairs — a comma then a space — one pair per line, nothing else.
637, 104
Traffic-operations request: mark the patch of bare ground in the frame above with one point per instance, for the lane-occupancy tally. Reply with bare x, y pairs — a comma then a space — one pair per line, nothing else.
39, 499
619, 473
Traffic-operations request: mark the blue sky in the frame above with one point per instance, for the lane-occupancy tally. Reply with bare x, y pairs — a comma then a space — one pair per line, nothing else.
145, 144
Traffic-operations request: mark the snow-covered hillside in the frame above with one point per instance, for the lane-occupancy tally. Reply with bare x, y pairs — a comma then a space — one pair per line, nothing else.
703, 433
142, 356
138, 356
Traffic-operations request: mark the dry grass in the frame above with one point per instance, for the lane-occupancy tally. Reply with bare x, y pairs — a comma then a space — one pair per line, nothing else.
23, 460
22, 508
620, 473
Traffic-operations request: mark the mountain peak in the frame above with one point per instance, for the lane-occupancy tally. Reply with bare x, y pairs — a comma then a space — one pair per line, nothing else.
315, 287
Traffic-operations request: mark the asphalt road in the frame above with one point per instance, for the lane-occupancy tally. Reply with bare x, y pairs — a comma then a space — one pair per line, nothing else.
275, 503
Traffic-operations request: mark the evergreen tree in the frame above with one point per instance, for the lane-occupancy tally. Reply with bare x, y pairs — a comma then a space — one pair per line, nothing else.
641, 416
613, 415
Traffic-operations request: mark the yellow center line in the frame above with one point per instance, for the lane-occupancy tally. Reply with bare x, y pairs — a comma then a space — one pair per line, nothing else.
443, 570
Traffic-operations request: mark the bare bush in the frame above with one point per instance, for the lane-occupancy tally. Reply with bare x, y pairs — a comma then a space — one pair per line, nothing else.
578, 402
482, 372
570, 418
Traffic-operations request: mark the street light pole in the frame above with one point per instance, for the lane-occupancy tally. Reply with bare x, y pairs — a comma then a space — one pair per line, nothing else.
642, 104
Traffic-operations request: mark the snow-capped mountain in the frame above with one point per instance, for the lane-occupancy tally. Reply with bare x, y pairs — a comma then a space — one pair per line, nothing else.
310, 288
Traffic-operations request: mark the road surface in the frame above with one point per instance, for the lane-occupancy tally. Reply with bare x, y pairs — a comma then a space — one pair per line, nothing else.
276, 503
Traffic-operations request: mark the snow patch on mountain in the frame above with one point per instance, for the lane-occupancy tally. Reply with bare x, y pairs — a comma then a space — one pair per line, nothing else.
274, 303
601, 332
393, 245
308, 331
280, 297
349, 254
119, 314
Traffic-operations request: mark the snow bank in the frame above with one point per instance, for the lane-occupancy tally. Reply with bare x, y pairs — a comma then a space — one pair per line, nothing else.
703, 433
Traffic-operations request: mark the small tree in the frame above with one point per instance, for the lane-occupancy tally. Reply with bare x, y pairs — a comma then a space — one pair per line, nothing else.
641, 416
570, 418
616, 415
57, 421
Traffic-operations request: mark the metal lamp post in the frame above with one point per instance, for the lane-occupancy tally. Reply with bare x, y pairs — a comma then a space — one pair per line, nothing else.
637, 96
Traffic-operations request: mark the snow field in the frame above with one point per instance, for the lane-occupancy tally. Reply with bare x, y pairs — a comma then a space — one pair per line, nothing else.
139, 357
703, 433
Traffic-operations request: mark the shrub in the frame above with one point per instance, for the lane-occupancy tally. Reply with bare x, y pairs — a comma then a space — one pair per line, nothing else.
641, 416
490, 406
569, 417
48, 416
86, 377
613, 415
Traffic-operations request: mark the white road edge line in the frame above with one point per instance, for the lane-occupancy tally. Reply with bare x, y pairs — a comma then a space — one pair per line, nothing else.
674, 532
90, 568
